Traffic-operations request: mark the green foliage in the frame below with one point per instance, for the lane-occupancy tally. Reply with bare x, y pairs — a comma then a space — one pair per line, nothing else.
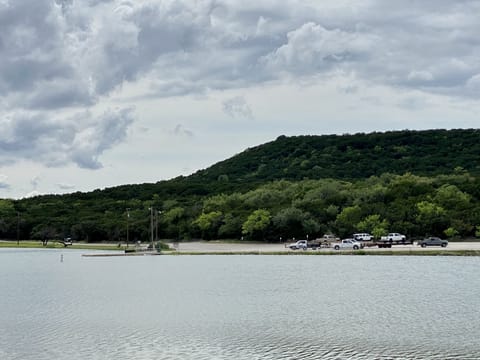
374, 225
160, 245
256, 223
347, 219
451, 232
208, 223
414, 182
431, 217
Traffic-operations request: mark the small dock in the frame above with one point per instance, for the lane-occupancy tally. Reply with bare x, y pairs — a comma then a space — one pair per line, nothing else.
123, 254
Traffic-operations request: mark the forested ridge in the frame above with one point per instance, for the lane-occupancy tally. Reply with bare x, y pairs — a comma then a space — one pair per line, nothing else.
415, 182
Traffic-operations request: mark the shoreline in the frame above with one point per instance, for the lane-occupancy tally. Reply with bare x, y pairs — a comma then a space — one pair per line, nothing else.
246, 248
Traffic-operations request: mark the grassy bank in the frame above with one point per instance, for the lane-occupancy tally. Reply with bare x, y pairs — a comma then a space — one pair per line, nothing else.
55, 245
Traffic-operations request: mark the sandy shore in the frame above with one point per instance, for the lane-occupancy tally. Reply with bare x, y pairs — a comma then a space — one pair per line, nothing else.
216, 246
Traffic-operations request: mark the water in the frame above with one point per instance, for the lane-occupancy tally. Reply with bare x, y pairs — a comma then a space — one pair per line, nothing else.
237, 307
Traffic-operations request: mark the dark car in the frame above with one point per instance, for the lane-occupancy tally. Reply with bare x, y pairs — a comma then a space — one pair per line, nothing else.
433, 241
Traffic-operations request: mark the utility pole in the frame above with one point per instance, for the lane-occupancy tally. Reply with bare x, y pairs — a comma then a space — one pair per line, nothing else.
18, 228
156, 226
151, 226
128, 220
157, 214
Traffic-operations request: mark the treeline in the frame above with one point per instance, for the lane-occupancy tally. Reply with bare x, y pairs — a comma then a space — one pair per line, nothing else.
441, 205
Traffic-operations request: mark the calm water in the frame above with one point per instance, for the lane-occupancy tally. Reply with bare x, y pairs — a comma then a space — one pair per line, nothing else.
237, 307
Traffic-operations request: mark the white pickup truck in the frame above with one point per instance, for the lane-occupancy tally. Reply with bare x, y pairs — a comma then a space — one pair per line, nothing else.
395, 237
347, 244
392, 239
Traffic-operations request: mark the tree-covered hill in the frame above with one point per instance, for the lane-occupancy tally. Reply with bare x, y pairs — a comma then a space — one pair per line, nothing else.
347, 157
418, 182
355, 156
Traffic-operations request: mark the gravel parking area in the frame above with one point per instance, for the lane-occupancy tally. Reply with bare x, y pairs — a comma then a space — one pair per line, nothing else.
216, 246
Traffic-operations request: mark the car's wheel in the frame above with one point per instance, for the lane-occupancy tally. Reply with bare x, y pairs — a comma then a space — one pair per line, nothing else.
424, 245
337, 247
355, 247
444, 244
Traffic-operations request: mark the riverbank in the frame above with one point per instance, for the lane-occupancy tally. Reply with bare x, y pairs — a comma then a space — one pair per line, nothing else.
220, 247
250, 248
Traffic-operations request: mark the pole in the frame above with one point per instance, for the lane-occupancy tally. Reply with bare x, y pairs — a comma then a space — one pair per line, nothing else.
18, 228
151, 226
156, 225
128, 220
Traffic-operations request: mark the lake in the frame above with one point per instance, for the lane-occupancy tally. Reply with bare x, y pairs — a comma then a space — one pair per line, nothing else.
237, 307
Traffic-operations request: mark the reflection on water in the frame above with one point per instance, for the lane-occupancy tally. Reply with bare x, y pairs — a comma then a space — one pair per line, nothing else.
237, 307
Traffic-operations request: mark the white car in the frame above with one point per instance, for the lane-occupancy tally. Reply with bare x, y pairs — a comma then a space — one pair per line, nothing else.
300, 244
362, 237
348, 244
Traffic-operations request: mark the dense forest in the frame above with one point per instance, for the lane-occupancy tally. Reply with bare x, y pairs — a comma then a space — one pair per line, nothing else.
415, 182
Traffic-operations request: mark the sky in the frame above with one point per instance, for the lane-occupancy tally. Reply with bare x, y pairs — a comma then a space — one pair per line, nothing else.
100, 93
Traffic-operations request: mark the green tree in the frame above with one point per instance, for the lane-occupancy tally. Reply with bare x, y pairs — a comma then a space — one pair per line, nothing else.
209, 223
347, 220
256, 224
231, 227
431, 218
374, 225
451, 232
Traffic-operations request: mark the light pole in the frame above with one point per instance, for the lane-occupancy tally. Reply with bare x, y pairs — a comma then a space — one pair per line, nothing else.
128, 220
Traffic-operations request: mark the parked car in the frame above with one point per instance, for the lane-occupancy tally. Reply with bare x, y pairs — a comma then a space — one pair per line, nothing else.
394, 237
300, 244
348, 244
433, 241
362, 237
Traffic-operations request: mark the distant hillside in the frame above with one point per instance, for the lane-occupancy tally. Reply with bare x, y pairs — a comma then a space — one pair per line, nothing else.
355, 156
325, 190
347, 157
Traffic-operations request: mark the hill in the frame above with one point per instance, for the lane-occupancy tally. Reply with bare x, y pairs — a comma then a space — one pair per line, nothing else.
311, 178
347, 157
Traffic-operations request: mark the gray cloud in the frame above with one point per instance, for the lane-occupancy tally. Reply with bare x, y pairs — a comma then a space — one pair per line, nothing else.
181, 131
35, 181
4, 184
80, 139
63, 186
71, 54
237, 107
88, 48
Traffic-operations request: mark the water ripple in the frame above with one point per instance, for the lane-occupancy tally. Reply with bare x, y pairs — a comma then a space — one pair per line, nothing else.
245, 307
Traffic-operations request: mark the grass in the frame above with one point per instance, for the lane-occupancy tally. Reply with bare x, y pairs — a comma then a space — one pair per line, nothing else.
55, 245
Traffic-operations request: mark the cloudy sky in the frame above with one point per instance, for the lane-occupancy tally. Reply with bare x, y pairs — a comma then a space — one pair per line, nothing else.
98, 93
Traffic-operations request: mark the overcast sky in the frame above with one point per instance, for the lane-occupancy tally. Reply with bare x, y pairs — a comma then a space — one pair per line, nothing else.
98, 93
